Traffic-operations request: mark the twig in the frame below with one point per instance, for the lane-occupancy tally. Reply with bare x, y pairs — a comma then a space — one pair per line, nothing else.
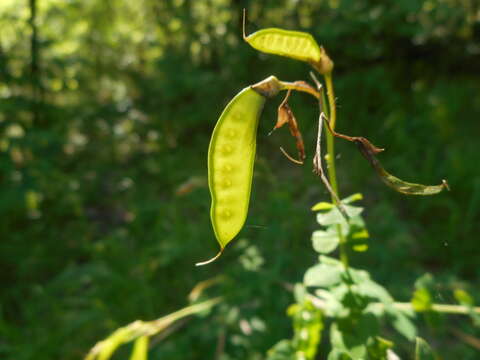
466, 338
290, 158
317, 168
168, 331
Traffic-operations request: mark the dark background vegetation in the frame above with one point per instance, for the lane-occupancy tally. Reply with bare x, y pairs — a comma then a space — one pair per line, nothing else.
106, 108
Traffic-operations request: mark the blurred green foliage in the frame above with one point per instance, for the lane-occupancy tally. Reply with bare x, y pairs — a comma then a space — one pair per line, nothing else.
106, 108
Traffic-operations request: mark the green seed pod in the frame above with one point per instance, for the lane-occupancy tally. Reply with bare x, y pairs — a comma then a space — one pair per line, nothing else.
294, 44
231, 157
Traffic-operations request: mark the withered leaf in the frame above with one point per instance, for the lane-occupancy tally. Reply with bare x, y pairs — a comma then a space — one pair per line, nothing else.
285, 116
394, 182
369, 150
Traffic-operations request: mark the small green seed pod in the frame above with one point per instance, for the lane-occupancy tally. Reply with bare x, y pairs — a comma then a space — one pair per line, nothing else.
294, 44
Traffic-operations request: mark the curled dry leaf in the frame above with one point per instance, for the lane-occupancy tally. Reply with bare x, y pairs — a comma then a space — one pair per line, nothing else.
369, 151
285, 116
396, 183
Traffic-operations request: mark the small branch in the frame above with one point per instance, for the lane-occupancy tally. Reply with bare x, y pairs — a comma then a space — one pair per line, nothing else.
156, 339
355, 139
332, 172
300, 86
202, 286
331, 100
318, 169
295, 161
443, 308
466, 338
140, 328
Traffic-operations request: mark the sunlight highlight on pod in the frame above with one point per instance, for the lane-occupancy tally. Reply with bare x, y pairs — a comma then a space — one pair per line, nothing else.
231, 155
293, 44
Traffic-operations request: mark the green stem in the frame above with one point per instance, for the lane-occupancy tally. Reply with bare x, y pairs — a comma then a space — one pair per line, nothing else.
331, 113
140, 328
443, 308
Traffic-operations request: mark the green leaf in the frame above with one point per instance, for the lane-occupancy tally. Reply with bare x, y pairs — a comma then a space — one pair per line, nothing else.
463, 297
352, 198
360, 247
422, 300
325, 242
425, 281
307, 325
358, 239
335, 217
355, 276
466, 299
337, 354
327, 260
113, 342
299, 292
371, 289
104, 349
352, 335
378, 348
357, 234
332, 305
402, 323
283, 350
322, 206
360, 234
423, 351
322, 275
140, 349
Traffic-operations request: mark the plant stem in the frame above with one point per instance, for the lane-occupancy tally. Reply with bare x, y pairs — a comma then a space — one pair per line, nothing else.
331, 113
140, 328
300, 86
443, 308
331, 100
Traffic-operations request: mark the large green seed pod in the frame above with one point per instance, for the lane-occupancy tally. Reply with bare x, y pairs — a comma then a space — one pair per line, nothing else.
231, 156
